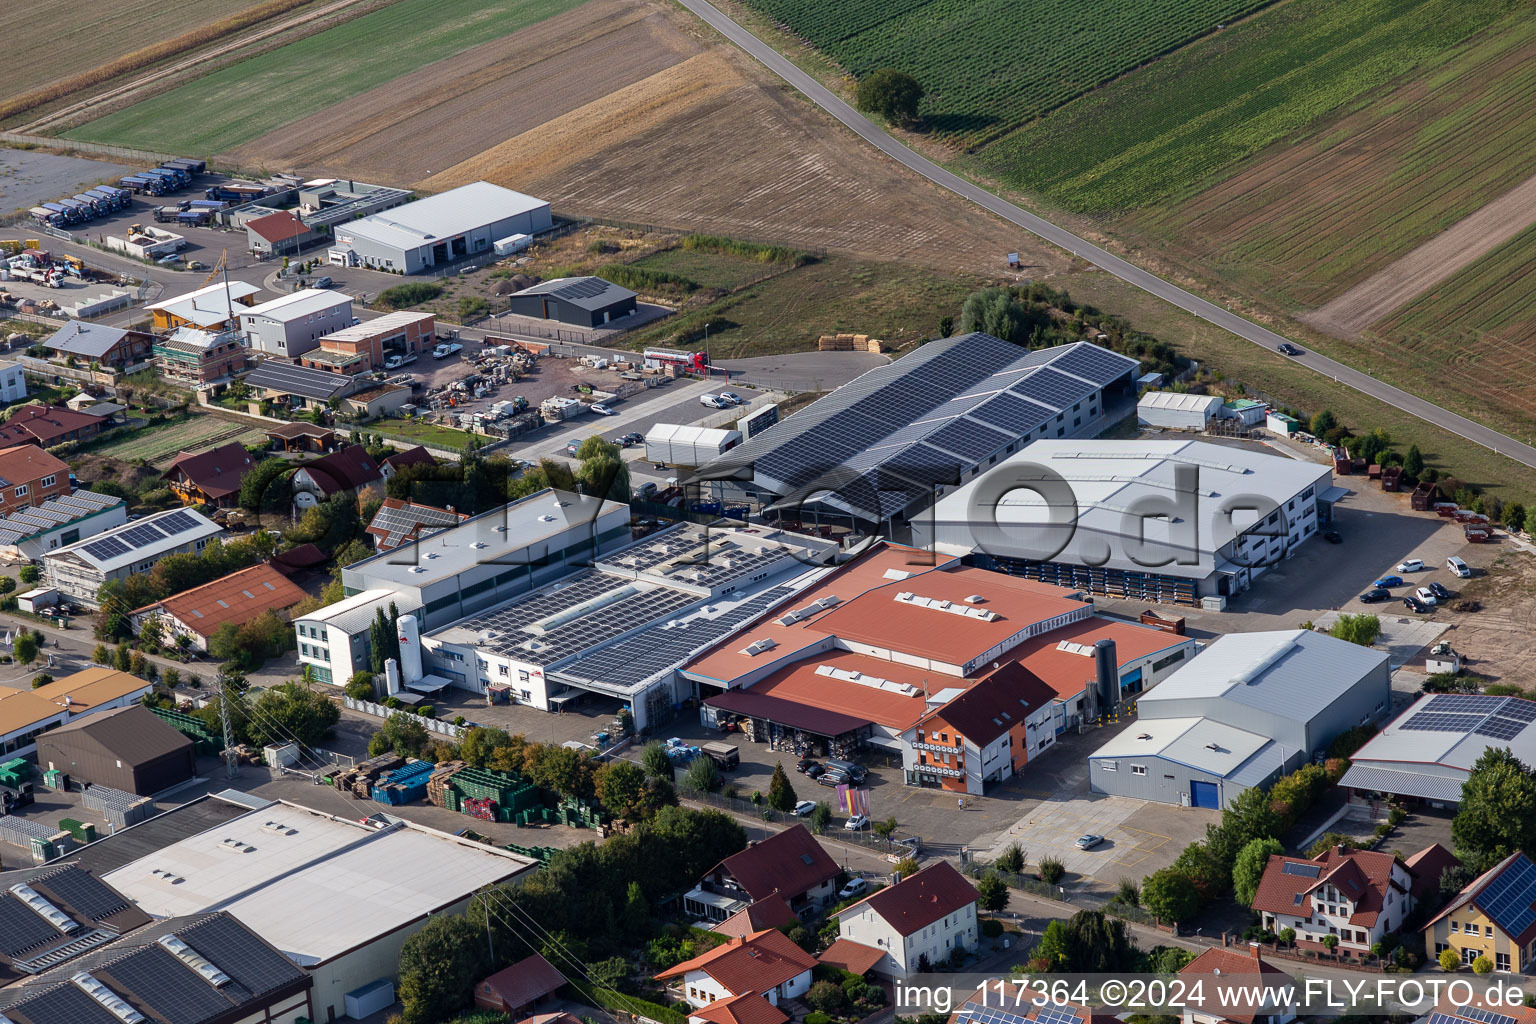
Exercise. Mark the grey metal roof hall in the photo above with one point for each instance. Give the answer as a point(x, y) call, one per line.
point(590, 293)
point(292, 379)
point(884, 439)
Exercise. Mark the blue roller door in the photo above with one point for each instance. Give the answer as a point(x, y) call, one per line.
point(1203, 794)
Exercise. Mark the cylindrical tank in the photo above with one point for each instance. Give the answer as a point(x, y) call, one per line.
point(391, 677)
point(1107, 675)
point(410, 648)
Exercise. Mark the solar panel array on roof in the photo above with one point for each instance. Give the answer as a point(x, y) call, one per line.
point(107, 547)
point(1048, 1014)
point(1510, 899)
point(177, 522)
point(85, 893)
point(1477, 1013)
point(290, 378)
point(21, 927)
point(881, 419)
point(1429, 721)
point(1303, 870)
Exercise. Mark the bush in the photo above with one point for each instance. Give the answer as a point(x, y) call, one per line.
point(991, 927)
point(817, 1017)
point(402, 296)
point(1482, 965)
point(1011, 860)
point(1450, 960)
point(1128, 892)
point(7, 584)
point(826, 996)
point(1051, 870)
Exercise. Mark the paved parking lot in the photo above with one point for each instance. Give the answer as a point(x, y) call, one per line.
point(1402, 637)
point(28, 178)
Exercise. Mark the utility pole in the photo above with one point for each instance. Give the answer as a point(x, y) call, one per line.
point(231, 764)
point(489, 943)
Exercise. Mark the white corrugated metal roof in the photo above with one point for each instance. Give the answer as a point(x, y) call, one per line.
point(208, 306)
point(297, 304)
point(1403, 783)
point(430, 220)
point(355, 612)
point(687, 433)
point(1179, 401)
point(378, 325)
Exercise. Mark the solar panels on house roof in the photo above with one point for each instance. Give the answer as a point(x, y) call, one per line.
point(1510, 898)
point(1303, 870)
point(292, 379)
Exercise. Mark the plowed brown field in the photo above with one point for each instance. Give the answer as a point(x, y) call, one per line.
point(630, 110)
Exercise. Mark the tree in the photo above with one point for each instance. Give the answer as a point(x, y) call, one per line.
point(1357, 629)
point(886, 829)
point(654, 759)
point(892, 94)
point(1098, 944)
point(29, 574)
point(439, 967)
point(1323, 422)
point(122, 658)
point(478, 745)
point(996, 311)
point(355, 551)
point(1514, 517)
point(620, 787)
point(7, 584)
point(1453, 879)
point(1051, 951)
point(821, 817)
point(25, 648)
point(1413, 462)
point(1450, 961)
point(704, 775)
point(993, 892)
point(781, 795)
point(1498, 810)
point(102, 655)
point(265, 487)
point(402, 734)
point(1249, 868)
point(946, 326)
point(1170, 895)
point(827, 996)
point(636, 916)
point(1330, 942)
point(1011, 859)
point(290, 711)
point(907, 867)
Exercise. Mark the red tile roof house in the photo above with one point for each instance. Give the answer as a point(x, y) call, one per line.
point(346, 469)
point(764, 965)
point(211, 477)
point(918, 923)
point(790, 865)
point(1242, 971)
point(48, 425)
point(514, 989)
point(1358, 896)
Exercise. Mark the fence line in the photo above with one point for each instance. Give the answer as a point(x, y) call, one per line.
point(100, 149)
point(368, 707)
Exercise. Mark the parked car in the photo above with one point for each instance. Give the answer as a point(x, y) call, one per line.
point(1438, 589)
point(1458, 567)
point(1426, 596)
point(1333, 537)
point(600, 409)
point(572, 448)
point(1373, 596)
point(1411, 565)
point(1389, 581)
point(1089, 841)
point(1285, 348)
point(714, 402)
point(732, 397)
point(634, 437)
point(804, 807)
point(852, 889)
point(803, 764)
point(857, 822)
point(322, 282)
point(815, 771)
point(830, 778)
point(446, 349)
point(1413, 604)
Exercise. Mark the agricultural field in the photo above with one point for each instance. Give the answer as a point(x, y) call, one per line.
point(42, 48)
point(241, 102)
point(158, 442)
point(1185, 122)
point(988, 66)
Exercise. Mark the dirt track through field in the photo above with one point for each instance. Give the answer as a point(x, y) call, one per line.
point(1434, 261)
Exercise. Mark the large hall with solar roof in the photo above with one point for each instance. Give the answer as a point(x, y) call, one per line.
point(80, 569)
point(872, 453)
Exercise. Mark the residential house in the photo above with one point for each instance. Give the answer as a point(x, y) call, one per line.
point(198, 613)
point(13, 382)
point(195, 357)
point(213, 308)
point(211, 477)
point(30, 476)
point(1356, 896)
point(515, 989)
point(279, 234)
point(764, 965)
point(747, 1008)
point(292, 324)
point(772, 912)
point(918, 923)
point(790, 864)
point(417, 456)
point(398, 522)
point(1022, 1003)
point(1494, 916)
point(301, 437)
point(99, 343)
point(48, 425)
point(1244, 975)
point(346, 469)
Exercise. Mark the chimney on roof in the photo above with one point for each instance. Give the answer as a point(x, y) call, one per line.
point(1253, 950)
point(1341, 849)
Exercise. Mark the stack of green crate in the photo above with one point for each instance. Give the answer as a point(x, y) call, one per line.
point(14, 773)
point(204, 742)
point(83, 832)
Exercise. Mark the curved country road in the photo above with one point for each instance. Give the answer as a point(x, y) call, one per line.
point(1129, 272)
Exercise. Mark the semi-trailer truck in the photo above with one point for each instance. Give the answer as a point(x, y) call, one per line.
point(43, 216)
point(122, 197)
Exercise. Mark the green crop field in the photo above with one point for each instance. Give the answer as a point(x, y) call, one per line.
point(246, 100)
point(1174, 127)
point(989, 65)
point(159, 441)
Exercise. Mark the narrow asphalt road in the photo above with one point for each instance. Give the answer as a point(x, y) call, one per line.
point(1128, 272)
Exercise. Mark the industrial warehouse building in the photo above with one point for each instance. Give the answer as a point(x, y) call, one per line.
point(1168, 521)
point(1428, 751)
point(874, 450)
point(1251, 708)
point(359, 884)
point(129, 749)
point(965, 674)
point(583, 301)
point(292, 324)
point(80, 569)
point(440, 229)
point(27, 714)
point(1173, 410)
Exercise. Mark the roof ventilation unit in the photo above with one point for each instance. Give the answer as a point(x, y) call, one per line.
point(759, 646)
point(189, 956)
point(42, 908)
point(546, 519)
point(975, 599)
point(236, 846)
point(277, 826)
point(114, 1003)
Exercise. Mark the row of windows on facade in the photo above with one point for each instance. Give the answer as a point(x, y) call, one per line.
point(319, 653)
point(1471, 953)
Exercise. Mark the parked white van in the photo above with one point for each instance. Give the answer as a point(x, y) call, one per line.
point(1458, 567)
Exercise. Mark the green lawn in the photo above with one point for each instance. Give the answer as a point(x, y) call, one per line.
point(709, 269)
point(788, 312)
point(423, 433)
point(246, 100)
point(1174, 127)
point(989, 65)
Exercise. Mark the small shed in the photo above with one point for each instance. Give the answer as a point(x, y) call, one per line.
point(1173, 410)
point(1246, 411)
point(515, 989)
point(34, 601)
point(129, 749)
point(681, 444)
point(1280, 423)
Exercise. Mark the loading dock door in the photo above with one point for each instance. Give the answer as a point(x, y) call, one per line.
point(1203, 794)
